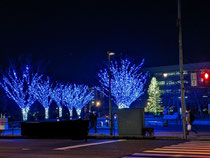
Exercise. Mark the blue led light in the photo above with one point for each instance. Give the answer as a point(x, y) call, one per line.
point(44, 94)
point(57, 96)
point(76, 96)
point(21, 89)
point(127, 82)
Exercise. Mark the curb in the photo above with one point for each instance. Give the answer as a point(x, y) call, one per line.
point(134, 137)
point(105, 137)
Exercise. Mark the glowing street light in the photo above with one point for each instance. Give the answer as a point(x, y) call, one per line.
point(98, 103)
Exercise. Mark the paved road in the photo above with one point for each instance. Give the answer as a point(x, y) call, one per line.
point(193, 149)
point(54, 148)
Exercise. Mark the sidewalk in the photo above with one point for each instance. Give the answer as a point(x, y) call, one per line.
point(170, 132)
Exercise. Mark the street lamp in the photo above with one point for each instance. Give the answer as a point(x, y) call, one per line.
point(165, 75)
point(110, 104)
point(98, 103)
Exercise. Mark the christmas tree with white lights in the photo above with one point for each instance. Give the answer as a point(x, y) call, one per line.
point(154, 100)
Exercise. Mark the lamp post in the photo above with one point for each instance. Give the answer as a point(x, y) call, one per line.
point(110, 104)
point(165, 75)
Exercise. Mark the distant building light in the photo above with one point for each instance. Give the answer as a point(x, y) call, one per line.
point(184, 97)
point(165, 75)
point(205, 96)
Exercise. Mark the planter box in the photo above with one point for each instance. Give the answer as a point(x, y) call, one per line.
point(74, 129)
point(130, 122)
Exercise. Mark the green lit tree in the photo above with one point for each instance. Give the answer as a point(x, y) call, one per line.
point(154, 100)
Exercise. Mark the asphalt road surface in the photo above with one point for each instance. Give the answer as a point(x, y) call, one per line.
point(62, 148)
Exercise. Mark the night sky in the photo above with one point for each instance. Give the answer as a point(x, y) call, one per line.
point(72, 37)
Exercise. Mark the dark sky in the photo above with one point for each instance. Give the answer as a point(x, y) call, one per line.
point(74, 36)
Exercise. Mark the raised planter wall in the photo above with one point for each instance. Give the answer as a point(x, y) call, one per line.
point(74, 129)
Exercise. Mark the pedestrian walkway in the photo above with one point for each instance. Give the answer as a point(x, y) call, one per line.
point(170, 131)
point(199, 149)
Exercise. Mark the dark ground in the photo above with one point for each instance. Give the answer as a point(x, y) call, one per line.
point(44, 148)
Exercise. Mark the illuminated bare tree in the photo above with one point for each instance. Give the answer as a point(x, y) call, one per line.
point(57, 96)
point(84, 96)
point(44, 94)
point(76, 96)
point(127, 82)
point(21, 89)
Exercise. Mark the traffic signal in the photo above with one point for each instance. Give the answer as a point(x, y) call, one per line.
point(206, 78)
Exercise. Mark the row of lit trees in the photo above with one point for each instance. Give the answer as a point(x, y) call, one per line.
point(25, 89)
point(127, 85)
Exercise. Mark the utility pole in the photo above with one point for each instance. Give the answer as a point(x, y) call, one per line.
point(181, 69)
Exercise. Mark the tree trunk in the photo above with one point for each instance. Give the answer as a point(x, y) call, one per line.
point(25, 113)
point(79, 113)
point(70, 113)
point(60, 112)
point(46, 113)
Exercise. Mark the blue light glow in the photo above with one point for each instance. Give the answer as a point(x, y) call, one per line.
point(127, 82)
point(76, 96)
point(57, 96)
point(44, 95)
point(21, 89)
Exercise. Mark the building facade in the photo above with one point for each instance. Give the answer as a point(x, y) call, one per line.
point(196, 92)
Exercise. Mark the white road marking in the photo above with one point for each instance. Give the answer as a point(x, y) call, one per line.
point(25, 149)
point(194, 149)
point(136, 157)
point(89, 144)
point(168, 155)
point(177, 152)
point(187, 150)
point(185, 147)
